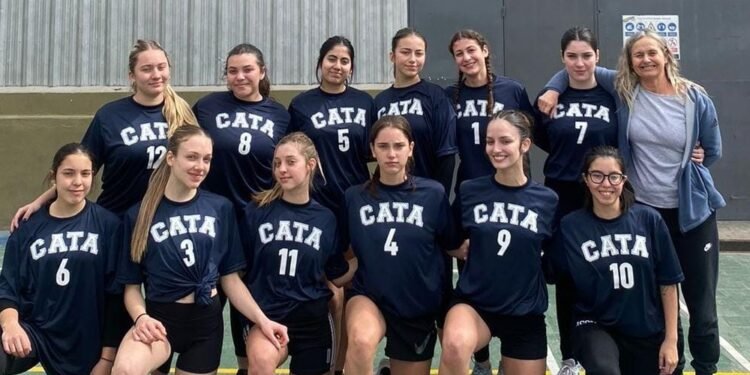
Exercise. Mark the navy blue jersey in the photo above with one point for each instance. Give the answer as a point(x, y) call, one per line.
point(291, 249)
point(55, 271)
point(190, 244)
point(617, 267)
point(585, 119)
point(245, 135)
point(398, 236)
point(432, 120)
point(473, 116)
point(129, 140)
point(339, 125)
point(507, 228)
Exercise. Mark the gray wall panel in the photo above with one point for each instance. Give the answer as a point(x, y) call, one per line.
point(86, 42)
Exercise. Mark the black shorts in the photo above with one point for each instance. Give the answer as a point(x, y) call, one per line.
point(195, 331)
point(117, 321)
point(410, 339)
point(521, 337)
point(310, 330)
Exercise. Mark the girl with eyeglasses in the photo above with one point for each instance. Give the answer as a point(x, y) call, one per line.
point(625, 272)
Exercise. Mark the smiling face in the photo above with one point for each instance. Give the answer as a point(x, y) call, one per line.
point(470, 57)
point(580, 61)
point(72, 179)
point(504, 146)
point(648, 59)
point(291, 170)
point(150, 74)
point(408, 58)
point(336, 67)
point(191, 163)
point(598, 178)
point(244, 75)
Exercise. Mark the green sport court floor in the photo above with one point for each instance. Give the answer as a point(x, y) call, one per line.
point(734, 323)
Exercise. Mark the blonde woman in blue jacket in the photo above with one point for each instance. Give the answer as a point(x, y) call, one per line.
point(668, 137)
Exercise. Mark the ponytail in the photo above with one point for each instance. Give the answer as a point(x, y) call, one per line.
point(177, 111)
point(154, 193)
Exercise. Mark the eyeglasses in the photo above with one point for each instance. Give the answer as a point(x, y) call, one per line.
point(598, 177)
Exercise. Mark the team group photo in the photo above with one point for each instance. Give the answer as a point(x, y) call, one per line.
point(385, 218)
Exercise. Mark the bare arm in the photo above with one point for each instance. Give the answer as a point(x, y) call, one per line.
point(25, 212)
point(244, 302)
point(145, 328)
point(15, 339)
point(668, 350)
point(345, 278)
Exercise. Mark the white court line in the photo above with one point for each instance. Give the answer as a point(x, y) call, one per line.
point(739, 358)
point(551, 362)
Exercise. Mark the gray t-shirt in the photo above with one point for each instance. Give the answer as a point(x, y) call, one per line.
point(657, 135)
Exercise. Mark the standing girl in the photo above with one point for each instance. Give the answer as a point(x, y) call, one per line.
point(625, 273)
point(183, 241)
point(425, 107)
point(584, 118)
point(245, 124)
point(398, 225)
point(478, 94)
point(294, 246)
point(57, 269)
point(501, 291)
point(337, 117)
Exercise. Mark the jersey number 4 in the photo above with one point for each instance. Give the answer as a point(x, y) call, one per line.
point(391, 246)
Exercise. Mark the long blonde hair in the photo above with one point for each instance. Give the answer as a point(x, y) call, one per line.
point(176, 110)
point(155, 191)
point(627, 80)
point(306, 147)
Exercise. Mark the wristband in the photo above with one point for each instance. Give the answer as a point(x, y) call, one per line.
point(138, 317)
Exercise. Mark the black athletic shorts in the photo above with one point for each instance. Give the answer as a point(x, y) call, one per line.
point(311, 335)
point(521, 337)
point(194, 331)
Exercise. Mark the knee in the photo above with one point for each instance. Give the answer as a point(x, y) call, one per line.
point(361, 345)
point(260, 363)
point(457, 347)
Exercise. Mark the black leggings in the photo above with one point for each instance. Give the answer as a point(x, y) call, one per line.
point(604, 352)
point(698, 253)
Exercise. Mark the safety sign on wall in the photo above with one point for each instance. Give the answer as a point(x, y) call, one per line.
point(668, 28)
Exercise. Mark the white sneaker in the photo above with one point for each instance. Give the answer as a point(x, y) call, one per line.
point(481, 370)
point(569, 367)
point(384, 367)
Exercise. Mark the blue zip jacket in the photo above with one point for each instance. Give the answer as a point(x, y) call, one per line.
point(698, 197)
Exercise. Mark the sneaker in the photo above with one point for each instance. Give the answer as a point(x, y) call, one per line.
point(569, 367)
point(480, 369)
point(384, 367)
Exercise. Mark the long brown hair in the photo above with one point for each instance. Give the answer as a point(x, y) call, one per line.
point(176, 110)
point(155, 191)
point(482, 42)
